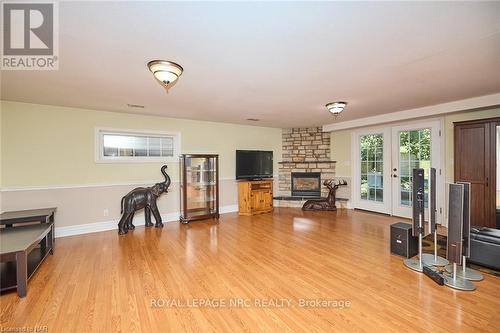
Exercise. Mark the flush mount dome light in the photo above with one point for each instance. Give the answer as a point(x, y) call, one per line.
point(166, 72)
point(336, 107)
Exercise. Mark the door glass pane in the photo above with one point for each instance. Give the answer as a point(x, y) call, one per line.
point(372, 165)
point(364, 187)
point(414, 152)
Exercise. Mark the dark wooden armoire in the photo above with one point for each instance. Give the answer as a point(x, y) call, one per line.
point(476, 162)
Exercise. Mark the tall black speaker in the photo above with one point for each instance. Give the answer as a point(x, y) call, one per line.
point(455, 223)
point(459, 196)
point(417, 218)
point(466, 220)
point(432, 199)
point(418, 202)
point(433, 259)
point(465, 272)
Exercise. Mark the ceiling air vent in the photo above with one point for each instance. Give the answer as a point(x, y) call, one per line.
point(136, 106)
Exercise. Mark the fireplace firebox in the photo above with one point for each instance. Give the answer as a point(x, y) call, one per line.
point(306, 184)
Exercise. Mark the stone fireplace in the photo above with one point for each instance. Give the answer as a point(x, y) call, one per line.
point(305, 153)
point(306, 184)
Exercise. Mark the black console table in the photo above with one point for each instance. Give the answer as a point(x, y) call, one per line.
point(43, 215)
point(24, 244)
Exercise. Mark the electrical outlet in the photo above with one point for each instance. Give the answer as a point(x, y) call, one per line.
point(106, 212)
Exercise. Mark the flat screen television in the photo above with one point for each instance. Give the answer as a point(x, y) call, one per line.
point(254, 164)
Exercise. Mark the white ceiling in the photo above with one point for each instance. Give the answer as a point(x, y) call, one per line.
point(279, 62)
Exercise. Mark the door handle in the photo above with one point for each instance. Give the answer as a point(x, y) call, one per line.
point(395, 176)
point(394, 169)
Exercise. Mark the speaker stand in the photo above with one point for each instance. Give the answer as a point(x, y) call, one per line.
point(455, 282)
point(433, 259)
point(465, 272)
point(416, 264)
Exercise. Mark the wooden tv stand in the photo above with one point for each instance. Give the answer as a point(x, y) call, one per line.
point(255, 196)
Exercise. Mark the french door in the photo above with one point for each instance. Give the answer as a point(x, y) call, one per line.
point(414, 146)
point(384, 160)
point(372, 170)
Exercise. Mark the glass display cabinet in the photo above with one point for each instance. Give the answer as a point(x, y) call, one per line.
point(199, 187)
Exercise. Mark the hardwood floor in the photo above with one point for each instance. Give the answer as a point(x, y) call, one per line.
point(105, 283)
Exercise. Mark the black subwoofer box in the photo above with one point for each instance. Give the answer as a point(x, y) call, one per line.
point(402, 241)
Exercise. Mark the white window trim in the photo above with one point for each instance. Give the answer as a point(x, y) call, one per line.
point(99, 153)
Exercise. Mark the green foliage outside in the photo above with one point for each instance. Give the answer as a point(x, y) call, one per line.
point(415, 152)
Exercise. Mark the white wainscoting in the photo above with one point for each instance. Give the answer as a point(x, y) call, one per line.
point(113, 224)
point(86, 208)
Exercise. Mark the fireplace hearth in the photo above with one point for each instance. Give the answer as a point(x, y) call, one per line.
point(306, 184)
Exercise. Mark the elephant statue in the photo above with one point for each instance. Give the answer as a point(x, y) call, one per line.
point(139, 198)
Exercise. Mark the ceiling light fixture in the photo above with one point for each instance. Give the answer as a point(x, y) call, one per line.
point(166, 72)
point(336, 107)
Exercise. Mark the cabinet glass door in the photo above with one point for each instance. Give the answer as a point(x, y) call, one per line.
point(200, 182)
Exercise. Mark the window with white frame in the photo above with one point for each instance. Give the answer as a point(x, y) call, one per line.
point(127, 145)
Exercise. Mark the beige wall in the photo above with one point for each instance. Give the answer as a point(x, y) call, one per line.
point(340, 146)
point(49, 145)
point(341, 142)
point(48, 159)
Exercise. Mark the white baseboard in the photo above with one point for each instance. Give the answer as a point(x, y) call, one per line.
point(113, 224)
point(228, 209)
